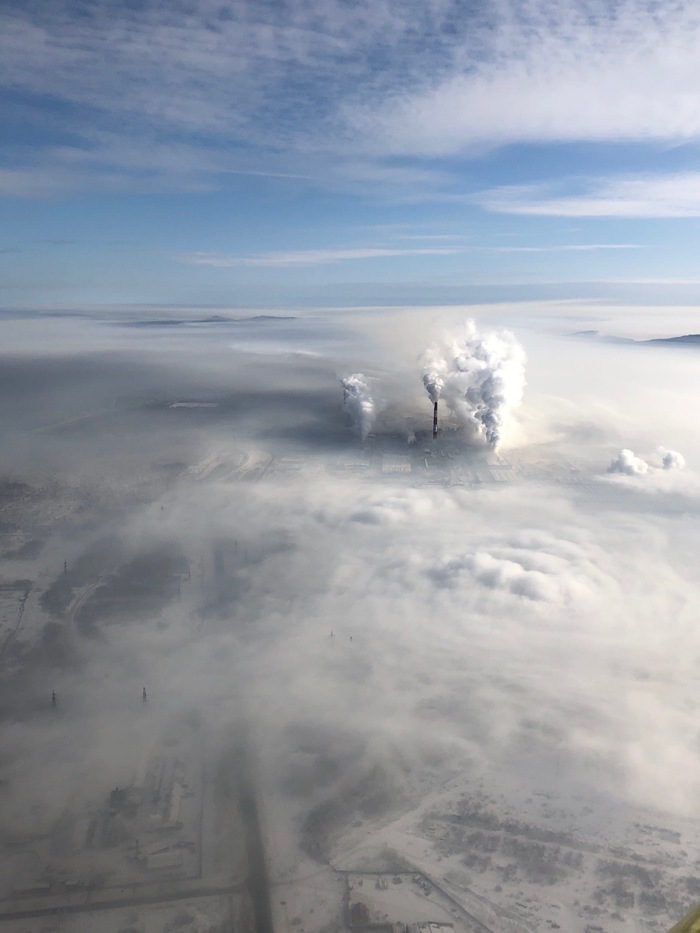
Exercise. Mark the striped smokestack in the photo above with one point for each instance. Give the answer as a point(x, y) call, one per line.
point(435, 419)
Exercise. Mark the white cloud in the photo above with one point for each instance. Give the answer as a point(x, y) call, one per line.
point(539, 72)
point(662, 461)
point(564, 248)
point(344, 86)
point(517, 572)
point(676, 195)
point(32, 182)
point(628, 464)
point(310, 257)
point(671, 459)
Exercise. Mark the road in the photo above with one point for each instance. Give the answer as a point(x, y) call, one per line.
point(11, 635)
point(258, 882)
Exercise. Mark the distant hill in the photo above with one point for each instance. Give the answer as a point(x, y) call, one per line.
point(218, 319)
point(596, 335)
point(682, 340)
point(214, 319)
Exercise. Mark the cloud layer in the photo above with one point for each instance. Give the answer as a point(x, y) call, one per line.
point(528, 623)
point(580, 72)
point(662, 195)
point(338, 90)
point(630, 465)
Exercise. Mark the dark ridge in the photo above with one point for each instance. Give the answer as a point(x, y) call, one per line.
point(683, 339)
point(214, 319)
point(596, 335)
point(267, 317)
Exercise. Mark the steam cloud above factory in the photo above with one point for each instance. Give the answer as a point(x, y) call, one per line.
point(479, 375)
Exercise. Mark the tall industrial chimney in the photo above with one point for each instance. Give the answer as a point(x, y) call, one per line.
point(435, 420)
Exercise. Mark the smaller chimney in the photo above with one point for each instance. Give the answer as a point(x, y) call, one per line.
point(435, 420)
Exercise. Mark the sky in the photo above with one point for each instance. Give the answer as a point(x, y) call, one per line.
point(373, 172)
point(331, 153)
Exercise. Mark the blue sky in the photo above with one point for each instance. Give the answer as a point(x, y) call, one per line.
point(335, 152)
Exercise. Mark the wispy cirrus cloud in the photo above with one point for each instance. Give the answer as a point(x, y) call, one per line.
point(267, 76)
point(562, 248)
point(317, 257)
point(217, 87)
point(311, 257)
point(673, 195)
point(542, 72)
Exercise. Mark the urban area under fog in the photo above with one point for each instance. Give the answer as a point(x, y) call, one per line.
point(321, 621)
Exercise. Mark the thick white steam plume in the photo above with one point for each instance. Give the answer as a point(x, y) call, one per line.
point(627, 463)
point(671, 459)
point(433, 383)
point(480, 377)
point(359, 402)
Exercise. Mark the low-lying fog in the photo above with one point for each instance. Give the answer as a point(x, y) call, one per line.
point(383, 636)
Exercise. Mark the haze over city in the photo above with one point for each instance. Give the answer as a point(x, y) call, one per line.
point(349, 478)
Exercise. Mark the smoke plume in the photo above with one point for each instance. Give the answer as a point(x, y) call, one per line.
point(671, 459)
point(433, 383)
point(480, 376)
point(359, 403)
point(627, 463)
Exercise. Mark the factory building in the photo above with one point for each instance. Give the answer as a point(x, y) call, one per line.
point(396, 463)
